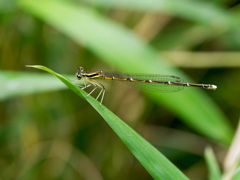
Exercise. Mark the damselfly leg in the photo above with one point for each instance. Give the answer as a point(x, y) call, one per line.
point(97, 84)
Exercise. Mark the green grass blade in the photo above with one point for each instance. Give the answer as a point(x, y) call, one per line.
point(203, 12)
point(153, 161)
point(213, 168)
point(15, 84)
point(118, 47)
point(237, 173)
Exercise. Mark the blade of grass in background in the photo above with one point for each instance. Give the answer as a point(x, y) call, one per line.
point(232, 160)
point(213, 168)
point(14, 84)
point(203, 12)
point(153, 161)
point(119, 47)
point(237, 174)
point(204, 59)
point(213, 19)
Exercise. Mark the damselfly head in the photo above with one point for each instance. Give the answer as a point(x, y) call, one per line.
point(79, 73)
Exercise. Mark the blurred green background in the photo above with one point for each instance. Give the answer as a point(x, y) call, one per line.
point(47, 132)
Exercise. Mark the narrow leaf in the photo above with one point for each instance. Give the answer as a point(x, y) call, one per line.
point(213, 168)
point(153, 161)
point(15, 84)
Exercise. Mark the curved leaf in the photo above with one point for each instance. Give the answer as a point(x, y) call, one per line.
point(153, 161)
point(14, 84)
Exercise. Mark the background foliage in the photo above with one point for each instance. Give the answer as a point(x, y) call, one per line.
point(50, 133)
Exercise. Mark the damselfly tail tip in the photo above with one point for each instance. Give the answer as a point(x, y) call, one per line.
point(212, 87)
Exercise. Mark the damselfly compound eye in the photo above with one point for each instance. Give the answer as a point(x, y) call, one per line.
point(79, 73)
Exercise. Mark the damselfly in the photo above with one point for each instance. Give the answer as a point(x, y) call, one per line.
point(160, 83)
